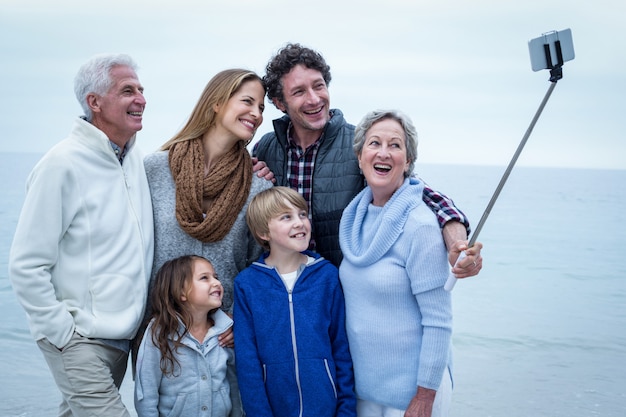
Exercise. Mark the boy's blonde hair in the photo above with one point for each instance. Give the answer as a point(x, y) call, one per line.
point(268, 204)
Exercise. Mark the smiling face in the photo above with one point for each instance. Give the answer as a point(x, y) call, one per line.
point(242, 114)
point(306, 99)
point(119, 112)
point(205, 291)
point(289, 231)
point(383, 159)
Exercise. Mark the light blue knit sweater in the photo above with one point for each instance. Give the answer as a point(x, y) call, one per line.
point(398, 316)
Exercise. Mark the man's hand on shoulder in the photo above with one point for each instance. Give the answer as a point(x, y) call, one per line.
point(262, 170)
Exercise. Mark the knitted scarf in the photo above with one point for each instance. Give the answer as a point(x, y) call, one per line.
point(227, 186)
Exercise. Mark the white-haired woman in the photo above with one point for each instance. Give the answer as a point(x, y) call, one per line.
point(398, 315)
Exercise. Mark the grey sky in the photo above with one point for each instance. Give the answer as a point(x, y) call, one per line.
point(460, 69)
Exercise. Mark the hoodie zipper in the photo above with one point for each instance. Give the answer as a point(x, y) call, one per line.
point(295, 350)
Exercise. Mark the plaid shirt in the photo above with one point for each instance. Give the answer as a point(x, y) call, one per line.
point(447, 211)
point(301, 163)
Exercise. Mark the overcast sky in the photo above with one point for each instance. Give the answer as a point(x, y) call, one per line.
point(460, 69)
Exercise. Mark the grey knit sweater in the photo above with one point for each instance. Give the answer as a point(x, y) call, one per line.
point(228, 256)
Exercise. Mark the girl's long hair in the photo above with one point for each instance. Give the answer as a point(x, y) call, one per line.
point(172, 282)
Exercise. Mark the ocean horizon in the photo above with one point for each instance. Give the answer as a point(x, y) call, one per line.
point(541, 331)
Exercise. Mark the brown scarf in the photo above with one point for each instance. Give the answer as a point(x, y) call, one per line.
point(227, 186)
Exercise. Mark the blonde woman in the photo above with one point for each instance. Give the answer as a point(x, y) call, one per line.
point(202, 180)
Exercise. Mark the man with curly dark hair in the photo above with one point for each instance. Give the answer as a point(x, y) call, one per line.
point(311, 151)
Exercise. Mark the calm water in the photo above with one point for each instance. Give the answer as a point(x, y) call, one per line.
point(540, 332)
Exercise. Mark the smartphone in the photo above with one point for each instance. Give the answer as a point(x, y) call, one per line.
point(545, 50)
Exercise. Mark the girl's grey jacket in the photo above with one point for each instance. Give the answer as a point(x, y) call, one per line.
point(205, 383)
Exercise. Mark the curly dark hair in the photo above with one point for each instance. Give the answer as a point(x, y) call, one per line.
point(285, 59)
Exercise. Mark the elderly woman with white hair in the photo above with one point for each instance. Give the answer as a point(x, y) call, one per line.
point(399, 317)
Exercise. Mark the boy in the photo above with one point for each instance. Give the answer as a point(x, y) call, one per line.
point(290, 339)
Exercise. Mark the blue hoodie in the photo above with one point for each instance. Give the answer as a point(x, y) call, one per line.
point(292, 350)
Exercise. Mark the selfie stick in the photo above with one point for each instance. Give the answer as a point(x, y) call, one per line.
point(556, 73)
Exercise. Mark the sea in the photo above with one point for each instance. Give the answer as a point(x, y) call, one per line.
point(541, 331)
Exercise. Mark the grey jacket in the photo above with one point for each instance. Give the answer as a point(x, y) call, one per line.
point(337, 178)
point(205, 384)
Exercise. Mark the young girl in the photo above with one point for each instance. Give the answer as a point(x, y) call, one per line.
point(181, 368)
